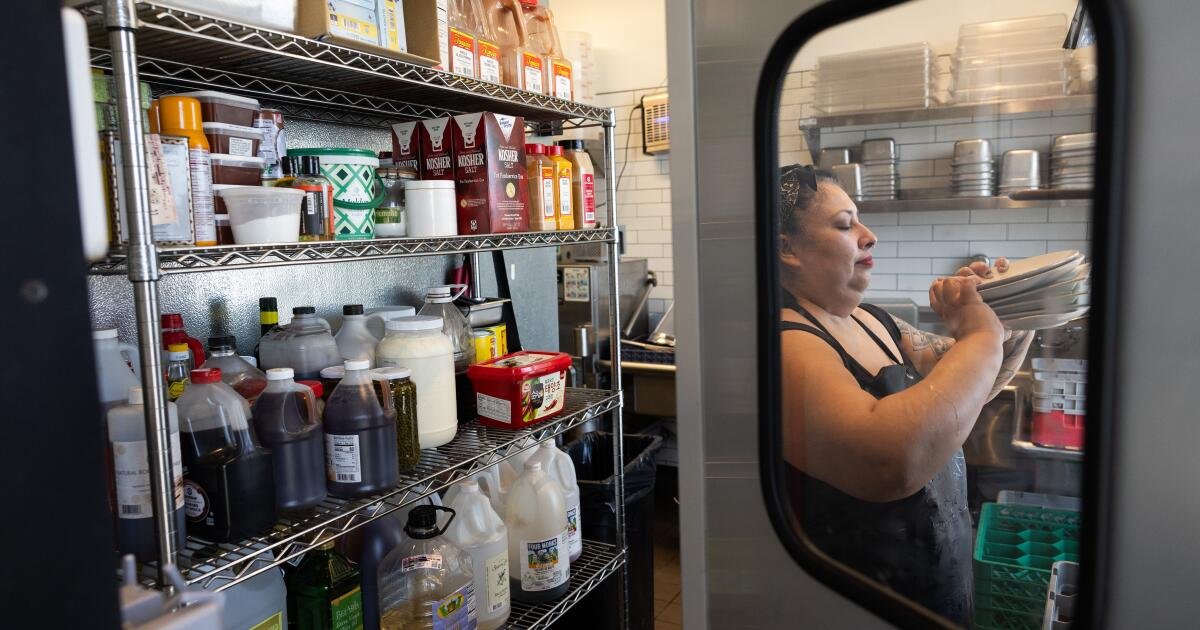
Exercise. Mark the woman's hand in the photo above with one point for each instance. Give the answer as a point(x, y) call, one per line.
point(981, 270)
point(956, 300)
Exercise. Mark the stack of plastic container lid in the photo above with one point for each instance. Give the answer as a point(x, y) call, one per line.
point(896, 77)
point(1011, 59)
point(1072, 161)
point(1059, 402)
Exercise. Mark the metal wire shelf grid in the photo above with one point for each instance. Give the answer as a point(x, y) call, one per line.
point(166, 33)
point(599, 560)
point(221, 565)
point(226, 257)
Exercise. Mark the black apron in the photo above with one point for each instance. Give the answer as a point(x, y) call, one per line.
point(919, 546)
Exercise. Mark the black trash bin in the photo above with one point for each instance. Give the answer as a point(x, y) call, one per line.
point(593, 457)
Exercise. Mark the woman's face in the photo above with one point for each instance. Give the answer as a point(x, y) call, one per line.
point(830, 253)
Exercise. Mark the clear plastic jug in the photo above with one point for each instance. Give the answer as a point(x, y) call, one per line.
point(236, 372)
point(559, 467)
point(539, 565)
point(135, 515)
point(542, 36)
point(360, 437)
point(229, 481)
point(286, 421)
point(439, 302)
point(480, 532)
point(493, 481)
point(354, 340)
point(304, 345)
point(426, 578)
point(259, 602)
point(118, 367)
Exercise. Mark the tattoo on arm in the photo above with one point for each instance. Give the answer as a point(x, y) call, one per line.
point(919, 341)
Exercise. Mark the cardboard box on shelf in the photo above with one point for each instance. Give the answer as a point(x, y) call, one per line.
point(436, 142)
point(489, 158)
point(406, 30)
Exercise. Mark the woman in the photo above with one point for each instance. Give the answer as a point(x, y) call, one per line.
point(876, 411)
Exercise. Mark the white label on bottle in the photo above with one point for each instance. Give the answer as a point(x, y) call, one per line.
point(493, 408)
point(533, 79)
point(132, 476)
point(574, 535)
point(564, 196)
point(548, 197)
point(462, 53)
point(489, 69)
point(427, 561)
point(546, 563)
point(203, 213)
point(496, 571)
point(343, 459)
point(177, 470)
point(562, 87)
point(242, 147)
point(588, 192)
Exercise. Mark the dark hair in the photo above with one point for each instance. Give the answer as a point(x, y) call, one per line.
point(798, 187)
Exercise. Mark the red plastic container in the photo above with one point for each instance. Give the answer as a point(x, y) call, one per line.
point(520, 389)
point(1057, 429)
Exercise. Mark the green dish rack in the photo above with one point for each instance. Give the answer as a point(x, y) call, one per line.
point(1014, 550)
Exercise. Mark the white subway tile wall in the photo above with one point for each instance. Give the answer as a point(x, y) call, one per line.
point(916, 247)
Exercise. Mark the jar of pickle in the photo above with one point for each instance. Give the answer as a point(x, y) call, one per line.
point(396, 383)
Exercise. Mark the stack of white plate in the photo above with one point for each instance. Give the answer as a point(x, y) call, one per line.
point(972, 172)
point(1011, 59)
point(1041, 292)
point(1073, 162)
point(896, 77)
point(880, 181)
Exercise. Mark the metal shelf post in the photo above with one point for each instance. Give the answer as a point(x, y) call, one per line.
point(614, 327)
point(121, 22)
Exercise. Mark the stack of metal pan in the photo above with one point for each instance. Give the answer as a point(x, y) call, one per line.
point(1073, 162)
point(973, 174)
point(1020, 169)
point(879, 180)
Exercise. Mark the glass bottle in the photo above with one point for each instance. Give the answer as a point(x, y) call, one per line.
point(268, 319)
point(316, 211)
point(324, 592)
point(179, 365)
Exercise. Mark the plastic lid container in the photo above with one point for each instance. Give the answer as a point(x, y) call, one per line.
point(225, 108)
point(280, 374)
point(233, 140)
point(414, 323)
point(502, 388)
point(334, 372)
point(237, 169)
point(357, 365)
point(429, 184)
point(263, 215)
point(238, 161)
point(391, 373)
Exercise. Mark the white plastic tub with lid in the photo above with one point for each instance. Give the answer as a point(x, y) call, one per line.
point(419, 344)
point(263, 215)
point(430, 204)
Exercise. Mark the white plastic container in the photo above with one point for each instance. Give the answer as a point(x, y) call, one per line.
point(539, 565)
point(478, 530)
point(559, 466)
point(379, 315)
point(113, 374)
point(263, 215)
point(419, 344)
point(354, 340)
point(431, 208)
point(493, 482)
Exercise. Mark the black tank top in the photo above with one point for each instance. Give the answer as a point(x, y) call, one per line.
point(919, 546)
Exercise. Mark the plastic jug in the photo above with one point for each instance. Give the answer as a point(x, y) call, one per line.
point(118, 367)
point(304, 345)
point(539, 566)
point(259, 602)
point(360, 437)
point(439, 302)
point(236, 372)
point(131, 477)
point(173, 323)
point(354, 340)
point(480, 532)
point(286, 421)
point(369, 545)
point(520, 67)
point(379, 315)
point(559, 467)
point(229, 483)
point(542, 36)
point(426, 578)
point(419, 344)
point(491, 483)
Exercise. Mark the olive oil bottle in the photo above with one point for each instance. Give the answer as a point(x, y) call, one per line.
point(324, 592)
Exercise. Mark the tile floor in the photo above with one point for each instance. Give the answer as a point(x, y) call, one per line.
point(668, 598)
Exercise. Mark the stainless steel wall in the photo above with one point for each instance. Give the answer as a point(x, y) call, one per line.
point(226, 302)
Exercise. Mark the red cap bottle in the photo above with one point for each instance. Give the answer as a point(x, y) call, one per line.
point(206, 375)
point(535, 148)
point(173, 323)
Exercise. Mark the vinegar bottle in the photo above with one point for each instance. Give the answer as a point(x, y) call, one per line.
point(559, 467)
point(539, 565)
point(426, 578)
point(478, 531)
